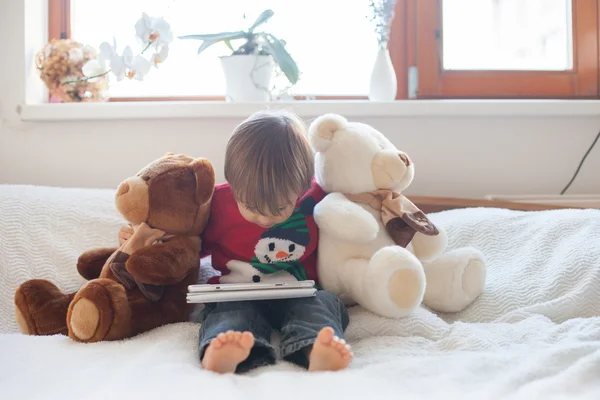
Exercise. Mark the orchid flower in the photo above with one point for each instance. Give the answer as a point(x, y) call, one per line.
point(153, 30)
point(129, 66)
point(94, 69)
point(107, 51)
point(160, 56)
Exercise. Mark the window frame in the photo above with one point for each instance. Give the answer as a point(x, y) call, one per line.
point(59, 19)
point(416, 41)
point(436, 83)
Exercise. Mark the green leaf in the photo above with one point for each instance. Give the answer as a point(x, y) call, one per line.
point(217, 36)
point(228, 44)
point(205, 45)
point(281, 56)
point(210, 39)
point(262, 18)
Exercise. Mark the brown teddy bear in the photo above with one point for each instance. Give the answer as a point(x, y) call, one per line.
point(142, 284)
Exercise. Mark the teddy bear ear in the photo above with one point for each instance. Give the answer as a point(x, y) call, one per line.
point(323, 128)
point(205, 179)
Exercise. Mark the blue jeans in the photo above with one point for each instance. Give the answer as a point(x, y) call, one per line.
point(299, 321)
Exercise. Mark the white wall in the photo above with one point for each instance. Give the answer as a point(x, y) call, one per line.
point(455, 156)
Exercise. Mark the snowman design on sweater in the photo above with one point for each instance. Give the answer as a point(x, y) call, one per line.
point(284, 252)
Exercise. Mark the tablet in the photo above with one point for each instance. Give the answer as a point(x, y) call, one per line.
point(224, 287)
point(248, 295)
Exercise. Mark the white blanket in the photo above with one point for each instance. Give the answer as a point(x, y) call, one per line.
point(533, 334)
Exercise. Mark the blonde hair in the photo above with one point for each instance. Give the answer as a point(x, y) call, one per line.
point(268, 160)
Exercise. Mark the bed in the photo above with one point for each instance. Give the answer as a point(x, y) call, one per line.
point(533, 334)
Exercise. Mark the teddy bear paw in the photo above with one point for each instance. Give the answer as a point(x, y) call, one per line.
point(41, 308)
point(455, 280)
point(100, 311)
point(473, 278)
point(84, 319)
point(396, 281)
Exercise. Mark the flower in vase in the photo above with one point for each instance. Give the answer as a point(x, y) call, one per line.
point(153, 30)
point(60, 63)
point(382, 14)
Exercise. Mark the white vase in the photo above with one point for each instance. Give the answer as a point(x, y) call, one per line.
point(247, 77)
point(383, 85)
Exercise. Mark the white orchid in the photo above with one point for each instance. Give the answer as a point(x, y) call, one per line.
point(107, 51)
point(94, 69)
point(99, 67)
point(129, 66)
point(160, 56)
point(153, 30)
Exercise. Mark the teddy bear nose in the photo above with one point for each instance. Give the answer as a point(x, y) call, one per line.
point(123, 188)
point(404, 158)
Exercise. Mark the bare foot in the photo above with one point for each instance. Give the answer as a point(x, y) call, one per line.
point(226, 351)
point(329, 353)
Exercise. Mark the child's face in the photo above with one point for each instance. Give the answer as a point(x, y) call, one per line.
point(267, 221)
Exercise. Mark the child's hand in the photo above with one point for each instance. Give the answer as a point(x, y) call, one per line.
point(143, 236)
point(146, 234)
point(125, 234)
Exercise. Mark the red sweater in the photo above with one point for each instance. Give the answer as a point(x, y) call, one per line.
point(244, 252)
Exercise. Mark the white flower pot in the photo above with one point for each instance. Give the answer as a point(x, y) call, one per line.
point(247, 77)
point(383, 85)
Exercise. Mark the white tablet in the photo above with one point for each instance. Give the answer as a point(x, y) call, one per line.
point(247, 295)
point(224, 287)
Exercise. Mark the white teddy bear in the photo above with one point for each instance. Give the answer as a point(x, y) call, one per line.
point(376, 248)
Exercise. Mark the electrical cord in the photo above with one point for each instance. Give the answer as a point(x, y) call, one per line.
point(580, 164)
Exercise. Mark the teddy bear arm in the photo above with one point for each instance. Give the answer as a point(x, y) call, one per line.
point(90, 263)
point(346, 220)
point(166, 263)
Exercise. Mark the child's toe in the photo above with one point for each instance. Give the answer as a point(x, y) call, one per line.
point(325, 336)
point(338, 345)
point(230, 335)
point(247, 340)
point(217, 342)
point(222, 337)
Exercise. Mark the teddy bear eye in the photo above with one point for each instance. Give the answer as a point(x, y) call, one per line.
point(146, 178)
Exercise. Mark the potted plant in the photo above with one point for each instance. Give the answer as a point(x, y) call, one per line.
point(249, 69)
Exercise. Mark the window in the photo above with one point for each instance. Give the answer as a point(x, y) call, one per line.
point(511, 35)
point(507, 48)
point(439, 48)
point(334, 59)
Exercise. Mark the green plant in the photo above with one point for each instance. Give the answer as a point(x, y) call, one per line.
point(259, 43)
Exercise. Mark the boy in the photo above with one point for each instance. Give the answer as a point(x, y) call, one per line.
point(262, 229)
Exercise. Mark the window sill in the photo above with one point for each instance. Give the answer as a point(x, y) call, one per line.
point(348, 108)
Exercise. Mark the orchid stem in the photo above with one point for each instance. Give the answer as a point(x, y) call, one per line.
point(147, 47)
point(87, 78)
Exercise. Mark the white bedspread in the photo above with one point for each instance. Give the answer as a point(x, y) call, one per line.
point(533, 334)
